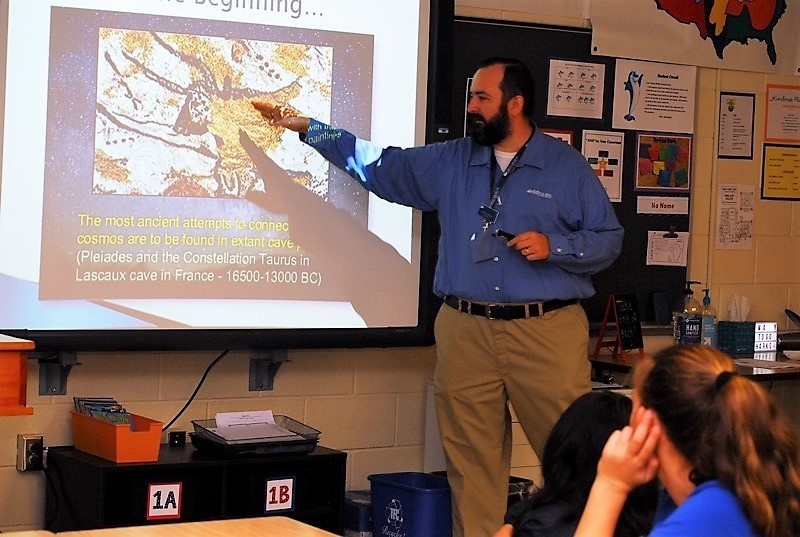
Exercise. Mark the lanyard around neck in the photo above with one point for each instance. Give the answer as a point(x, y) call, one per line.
point(496, 184)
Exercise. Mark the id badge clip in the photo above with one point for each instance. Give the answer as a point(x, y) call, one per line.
point(489, 214)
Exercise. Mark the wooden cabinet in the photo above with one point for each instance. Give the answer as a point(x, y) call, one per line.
point(185, 485)
point(14, 375)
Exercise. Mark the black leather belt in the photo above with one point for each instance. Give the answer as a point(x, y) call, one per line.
point(506, 312)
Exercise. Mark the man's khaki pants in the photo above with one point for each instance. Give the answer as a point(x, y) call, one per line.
point(539, 365)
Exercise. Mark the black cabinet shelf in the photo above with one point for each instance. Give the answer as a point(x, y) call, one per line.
point(87, 492)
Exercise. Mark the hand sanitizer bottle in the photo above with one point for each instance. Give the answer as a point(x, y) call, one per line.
point(709, 323)
point(687, 318)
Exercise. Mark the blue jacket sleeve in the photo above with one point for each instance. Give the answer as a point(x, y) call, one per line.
point(399, 175)
point(598, 241)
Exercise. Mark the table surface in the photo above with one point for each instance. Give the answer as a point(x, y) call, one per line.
point(269, 526)
point(781, 368)
point(11, 343)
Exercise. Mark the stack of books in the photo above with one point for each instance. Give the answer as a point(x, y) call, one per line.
point(102, 408)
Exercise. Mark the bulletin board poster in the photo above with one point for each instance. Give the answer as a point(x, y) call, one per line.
point(652, 96)
point(559, 134)
point(664, 162)
point(783, 114)
point(736, 120)
point(735, 210)
point(780, 173)
point(603, 152)
point(576, 89)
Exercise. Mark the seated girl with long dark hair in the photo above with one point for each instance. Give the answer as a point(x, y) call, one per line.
point(569, 464)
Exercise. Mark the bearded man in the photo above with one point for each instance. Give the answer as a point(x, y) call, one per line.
point(524, 222)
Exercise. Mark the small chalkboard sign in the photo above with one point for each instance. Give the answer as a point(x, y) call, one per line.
point(628, 325)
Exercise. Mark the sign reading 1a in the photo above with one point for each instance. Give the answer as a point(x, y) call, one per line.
point(164, 501)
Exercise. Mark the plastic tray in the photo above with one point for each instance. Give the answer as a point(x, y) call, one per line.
point(304, 440)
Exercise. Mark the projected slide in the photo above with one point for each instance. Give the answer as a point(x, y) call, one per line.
point(140, 189)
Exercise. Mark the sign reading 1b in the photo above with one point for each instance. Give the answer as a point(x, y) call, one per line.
point(280, 495)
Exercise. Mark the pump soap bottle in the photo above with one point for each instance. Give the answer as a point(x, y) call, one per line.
point(709, 323)
point(687, 317)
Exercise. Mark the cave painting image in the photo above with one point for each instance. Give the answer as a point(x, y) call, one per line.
point(728, 21)
point(170, 107)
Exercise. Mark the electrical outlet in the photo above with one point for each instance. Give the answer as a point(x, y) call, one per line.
point(30, 452)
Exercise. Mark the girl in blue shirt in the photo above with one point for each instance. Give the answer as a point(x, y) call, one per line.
point(727, 458)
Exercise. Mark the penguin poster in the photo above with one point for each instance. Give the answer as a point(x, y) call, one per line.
point(650, 96)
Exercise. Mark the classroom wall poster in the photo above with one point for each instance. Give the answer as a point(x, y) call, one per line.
point(654, 96)
point(664, 162)
point(758, 36)
point(603, 151)
point(575, 89)
point(780, 172)
point(559, 134)
point(735, 217)
point(667, 248)
point(736, 120)
point(783, 114)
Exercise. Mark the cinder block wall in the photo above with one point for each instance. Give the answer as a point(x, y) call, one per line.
point(371, 402)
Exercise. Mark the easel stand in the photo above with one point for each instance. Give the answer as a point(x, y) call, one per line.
point(629, 330)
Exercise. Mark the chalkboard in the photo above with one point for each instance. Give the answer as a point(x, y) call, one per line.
point(629, 326)
point(655, 288)
point(623, 313)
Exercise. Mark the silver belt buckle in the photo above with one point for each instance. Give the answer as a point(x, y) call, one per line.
point(489, 308)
